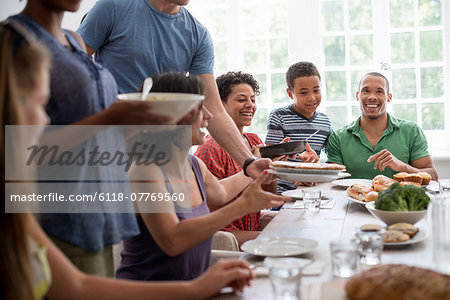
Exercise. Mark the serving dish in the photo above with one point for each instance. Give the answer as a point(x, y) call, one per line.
point(392, 217)
point(308, 177)
point(175, 105)
point(279, 246)
point(287, 148)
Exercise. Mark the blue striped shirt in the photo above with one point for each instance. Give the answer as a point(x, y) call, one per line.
point(286, 122)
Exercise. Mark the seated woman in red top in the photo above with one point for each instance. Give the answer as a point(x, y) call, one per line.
point(238, 93)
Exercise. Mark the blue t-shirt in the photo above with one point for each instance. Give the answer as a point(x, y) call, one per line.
point(134, 41)
point(79, 88)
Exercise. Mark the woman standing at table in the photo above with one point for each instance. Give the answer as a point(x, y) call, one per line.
point(84, 93)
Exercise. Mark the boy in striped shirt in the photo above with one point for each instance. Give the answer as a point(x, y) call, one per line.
point(300, 119)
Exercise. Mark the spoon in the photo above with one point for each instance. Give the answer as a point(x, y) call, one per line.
point(148, 83)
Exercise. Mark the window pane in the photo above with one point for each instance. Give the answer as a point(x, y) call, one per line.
point(361, 50)
point(217, 18)
point(356, 77)
point(432, 82)
point(404, 83)
point(334, 50)
point(338, 116)
point(251, 20)
point(360, 14)
point(356, 112)
point(333, 15)
point(220, 55)
point(279, 53)
point(336, 86)
point(433, 116)
point(278, 20)
point(254, 57)
point(431, 45)
point(430, 12)
point(401, 13)
point(405, 111)
point(279, 89)
point(259, 121)
point(262, 81)
point(402, 47)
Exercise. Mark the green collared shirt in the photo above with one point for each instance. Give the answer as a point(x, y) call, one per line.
point(349, 146)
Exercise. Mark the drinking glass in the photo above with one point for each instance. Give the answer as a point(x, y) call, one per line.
point(285, 274)
point(311, 200)
point(370, 246)
point(344, 257)
point(440, 218)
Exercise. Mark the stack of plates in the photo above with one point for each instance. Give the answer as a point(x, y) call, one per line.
point(308, 175)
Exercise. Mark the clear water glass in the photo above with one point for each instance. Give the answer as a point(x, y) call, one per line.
point(285, 275)
point(440, 218)
point(344, 257)
point(311, 200)
point(370, 246)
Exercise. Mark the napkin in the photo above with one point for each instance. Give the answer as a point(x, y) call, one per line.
point(315, 268)
point(323, 204)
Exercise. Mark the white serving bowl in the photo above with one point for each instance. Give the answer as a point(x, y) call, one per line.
point(176, 105)
point(392, 217)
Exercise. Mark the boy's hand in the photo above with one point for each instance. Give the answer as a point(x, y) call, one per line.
point(309, 155)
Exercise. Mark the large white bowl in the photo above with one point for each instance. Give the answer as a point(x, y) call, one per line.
point(176, 105)
point(392, 217)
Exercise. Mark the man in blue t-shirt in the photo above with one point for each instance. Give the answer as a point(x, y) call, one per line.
point(138, 38)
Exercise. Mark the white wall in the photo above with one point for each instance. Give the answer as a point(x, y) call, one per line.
point(70, 21)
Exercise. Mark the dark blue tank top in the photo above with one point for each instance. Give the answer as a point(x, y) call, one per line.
point(142, 259)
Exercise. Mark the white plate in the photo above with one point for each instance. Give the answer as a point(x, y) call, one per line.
point(282, 246)
point(355, 200)
point(433, 186)
point(349, 182)
point(294, 194)
point(309, 177)
point(419, 237)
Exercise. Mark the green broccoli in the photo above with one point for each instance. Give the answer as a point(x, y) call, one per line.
point(406, 198)
point(392, 199)
point(416, 197)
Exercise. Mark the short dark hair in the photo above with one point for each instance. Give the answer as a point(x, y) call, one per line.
point(374, 74)
point(177, 82)
point(300, 69)
point(226, 82)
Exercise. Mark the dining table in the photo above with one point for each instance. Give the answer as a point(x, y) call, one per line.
point(328, 224)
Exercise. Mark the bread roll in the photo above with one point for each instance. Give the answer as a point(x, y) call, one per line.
point(398, 282)
point(406, 228)
point(381, 182)
point(403, 183)
point(414, 178)
point(371, 196)
point(394, 236)
point(400, 176)
point(426, 178)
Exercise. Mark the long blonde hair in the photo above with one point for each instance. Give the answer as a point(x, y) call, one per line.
point(21, 62)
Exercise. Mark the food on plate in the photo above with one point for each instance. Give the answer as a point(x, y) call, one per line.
point(312, 166)
point(395, 236)
point(405, 228)
point(400, 176)
point(358, 191)
point(398, 282)
point(381, 182)
point(426, 178)
point(371, 227)
point(421, 178)
point(403, 183)
point(402, 198)
point(371, 196)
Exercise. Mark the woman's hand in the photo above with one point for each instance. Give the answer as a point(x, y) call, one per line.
point(232, 273)
point(254, 198)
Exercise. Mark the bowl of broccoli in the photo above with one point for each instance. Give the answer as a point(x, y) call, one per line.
point(397, 204)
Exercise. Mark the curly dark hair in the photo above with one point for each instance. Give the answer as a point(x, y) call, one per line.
point(300, 69)
point(226, 82)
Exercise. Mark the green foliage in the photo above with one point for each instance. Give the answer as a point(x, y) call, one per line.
point(406, 198)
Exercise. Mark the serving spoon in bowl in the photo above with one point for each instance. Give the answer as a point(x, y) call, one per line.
point(148, 83)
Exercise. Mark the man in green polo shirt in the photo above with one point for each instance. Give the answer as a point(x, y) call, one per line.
point(378, 143)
